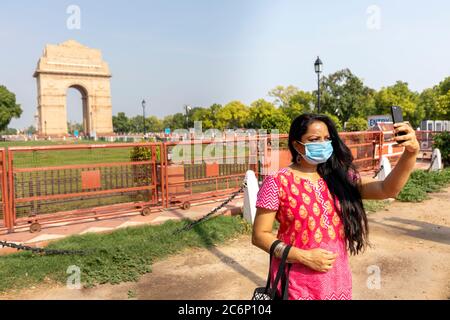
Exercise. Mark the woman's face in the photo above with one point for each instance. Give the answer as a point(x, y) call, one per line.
point(317, 132)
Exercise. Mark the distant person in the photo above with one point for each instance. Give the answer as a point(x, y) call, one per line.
point(318, 202)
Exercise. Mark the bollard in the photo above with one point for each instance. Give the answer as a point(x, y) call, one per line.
point(436, 160)
point(386, 168)
point(250, 194)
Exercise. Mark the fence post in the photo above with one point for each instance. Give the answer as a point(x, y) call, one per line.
point(381, 147)
point(5, 208)
point(11, 212)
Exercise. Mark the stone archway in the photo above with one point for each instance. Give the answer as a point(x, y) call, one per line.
point(72, 65)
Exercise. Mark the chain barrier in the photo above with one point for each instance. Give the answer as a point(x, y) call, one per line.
point(41, 250)
point(204, 218)
point(80, 252)
point(378, 171)
point(432, 163)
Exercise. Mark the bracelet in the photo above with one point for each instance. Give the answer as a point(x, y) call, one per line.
point(279, 249)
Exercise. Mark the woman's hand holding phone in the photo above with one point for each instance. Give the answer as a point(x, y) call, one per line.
point(405, 136)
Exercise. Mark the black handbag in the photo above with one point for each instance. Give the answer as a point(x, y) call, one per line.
point(270, 292)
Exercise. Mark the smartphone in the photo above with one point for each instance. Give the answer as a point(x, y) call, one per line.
point(397, 117)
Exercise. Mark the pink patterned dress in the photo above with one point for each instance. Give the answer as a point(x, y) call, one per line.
point(308, 220)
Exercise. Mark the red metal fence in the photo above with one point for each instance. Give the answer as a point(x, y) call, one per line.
point(208, 169)
point(60, 184)
point(68, 183)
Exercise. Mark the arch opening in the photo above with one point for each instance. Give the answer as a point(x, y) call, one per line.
point(78, 117)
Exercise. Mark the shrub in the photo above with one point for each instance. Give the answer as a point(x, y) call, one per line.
point(356, 124)
point(422, 182)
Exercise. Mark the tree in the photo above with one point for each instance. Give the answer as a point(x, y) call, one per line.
point(9, 132)
point(277, 120)
point(335, 119)
point(260, 110)
point(137, 124)
point(8, 107)
point(121, 123)
point(400, 95)
point(215, 108)
point(443, 104)
point(443, 99)
point(233, 115)
point(175, 121)
point(345, 95)
point(283, 95)
point(299, 103)
point(205, 115)
point(356, 124)
point(427, 101)
point(153, 124)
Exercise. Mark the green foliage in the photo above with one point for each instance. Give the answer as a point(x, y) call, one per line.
point(259, 111)
point(422, 182)
point(428, 102)
point(412, 193)
point(283, 95)
point(442, 142)
point(10, 131)
point(356, 124)
point(153, 124)
point(375, 205)
point(120, 256)
point(175, 121)
point(400, 95)
point(335, 119)
point(443, 99)
point(277, 120)
point(143, 154)
point(234, 115)
point(345, 95)
point(299, 103)
point(8, 107)
point(204, 115)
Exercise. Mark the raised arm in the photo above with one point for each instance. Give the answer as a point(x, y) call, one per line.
point(396, 180)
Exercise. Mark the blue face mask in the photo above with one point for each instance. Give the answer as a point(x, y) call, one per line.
point(317, 152)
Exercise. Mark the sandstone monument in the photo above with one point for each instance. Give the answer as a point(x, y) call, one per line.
point(72, 65)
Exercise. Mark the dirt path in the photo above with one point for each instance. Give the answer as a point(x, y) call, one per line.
point(410, 248)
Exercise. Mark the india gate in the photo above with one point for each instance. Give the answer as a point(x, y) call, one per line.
point(72, 65)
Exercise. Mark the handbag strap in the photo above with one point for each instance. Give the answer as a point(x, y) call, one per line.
point(272, 250)
point(281, 272)
point(285, 283)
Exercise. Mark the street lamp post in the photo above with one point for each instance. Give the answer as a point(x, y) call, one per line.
point(143, 114)
point(318, 68)
point(187, 108)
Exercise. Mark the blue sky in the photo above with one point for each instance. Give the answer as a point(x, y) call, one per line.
point(200, 52)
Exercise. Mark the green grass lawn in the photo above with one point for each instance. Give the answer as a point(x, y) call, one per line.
point(375, 205)
point(120, 256)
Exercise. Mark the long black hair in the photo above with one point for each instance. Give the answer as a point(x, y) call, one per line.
point(335, 172)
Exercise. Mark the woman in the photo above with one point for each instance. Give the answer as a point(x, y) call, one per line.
point(318, 202)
